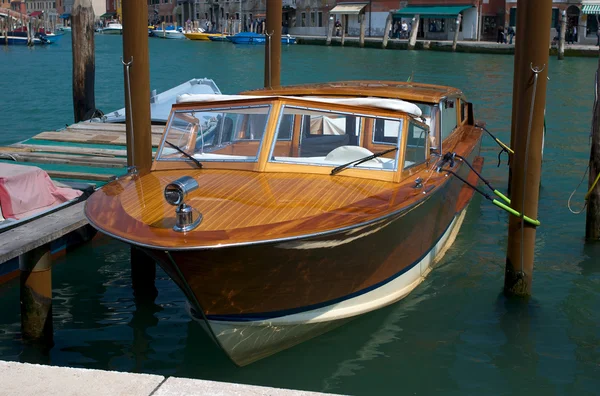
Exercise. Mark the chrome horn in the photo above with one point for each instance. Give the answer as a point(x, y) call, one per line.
point(175, 193)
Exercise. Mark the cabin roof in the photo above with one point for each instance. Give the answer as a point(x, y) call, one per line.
point(381, 103)
point(410, 91)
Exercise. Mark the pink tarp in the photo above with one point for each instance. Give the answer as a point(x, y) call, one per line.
point(26, 190)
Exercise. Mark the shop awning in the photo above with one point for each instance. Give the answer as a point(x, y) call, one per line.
point(65, 16)
point(348, 8)
point(591, 9)
point(432, 11)
point(108, 15)
point(35, 14)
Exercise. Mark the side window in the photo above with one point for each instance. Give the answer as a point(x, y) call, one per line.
point(286, 127)
point(386, 131)
point(416, 144)
point(449, 121)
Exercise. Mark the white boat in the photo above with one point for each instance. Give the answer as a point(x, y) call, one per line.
point(113, 28)
point(160, 104)
point(168, 34)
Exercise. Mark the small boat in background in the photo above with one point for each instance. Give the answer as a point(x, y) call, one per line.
point(204, 36)
point(247, 38)
point(282, 214)
point(161, 103)
point(220, 37)
point(20, 38)
point(256, 38)
point(169, 33)
point(113, 28)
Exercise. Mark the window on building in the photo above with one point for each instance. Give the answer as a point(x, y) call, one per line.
point(312, 19)
point(437, 25)
point(555, 18)
point(303, 19)
point(513, 17)
point(320, 19)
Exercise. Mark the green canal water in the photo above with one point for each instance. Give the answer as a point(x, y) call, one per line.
point(455, 334)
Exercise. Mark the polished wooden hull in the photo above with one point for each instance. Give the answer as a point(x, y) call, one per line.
point(259, 299)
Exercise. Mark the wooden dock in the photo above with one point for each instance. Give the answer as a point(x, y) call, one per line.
point(93, 152)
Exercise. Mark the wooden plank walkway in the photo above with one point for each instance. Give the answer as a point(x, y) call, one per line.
point(85, 151)
point(36, 233)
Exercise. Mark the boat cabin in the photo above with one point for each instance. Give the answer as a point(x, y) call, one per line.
point(382, 137)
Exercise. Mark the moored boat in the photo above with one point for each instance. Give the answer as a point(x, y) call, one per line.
point(256, 38)
point(169, 33)
point(220, 37)
point(28, 193)
point(288, 212)
point(20, 38)
point(204, 36)
point(113, 28)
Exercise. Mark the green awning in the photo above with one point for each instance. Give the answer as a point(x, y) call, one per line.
point(108, 15)
point(591, 9)
point(432, 11)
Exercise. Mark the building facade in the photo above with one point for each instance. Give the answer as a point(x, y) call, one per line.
point(582, 19)
point(41, 7)
point(161, 11)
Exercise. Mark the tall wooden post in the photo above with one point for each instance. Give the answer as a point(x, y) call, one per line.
point(563, 33)
point(456, 31)
point(413, 33)
point(135, 50)
point(273, 51)
point(137, 116)
point(84, 69)
point(36, 295)
point(361, 39)
point(330, 28)
point(386, 31)
point(528, 126)
point(343, 27)
point(592, 221)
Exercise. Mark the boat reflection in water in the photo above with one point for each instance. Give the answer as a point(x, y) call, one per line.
point(284, 213)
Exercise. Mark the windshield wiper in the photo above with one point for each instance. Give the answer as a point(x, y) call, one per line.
point(184, 153)
point(359, 161)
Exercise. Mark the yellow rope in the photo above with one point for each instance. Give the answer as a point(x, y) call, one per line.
point(593, 186)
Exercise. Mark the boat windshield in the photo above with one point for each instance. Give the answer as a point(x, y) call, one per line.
point(312, 136)
point(216, 134)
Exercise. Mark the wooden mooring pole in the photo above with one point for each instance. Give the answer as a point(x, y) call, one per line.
point(136, 68)
point(592, 221)
point(273, 48)
point(36, 295)
point(412, 41)
point(456, 31)
point(531, 74)
point(84, 69)
point(562, 34)
point(386, 31)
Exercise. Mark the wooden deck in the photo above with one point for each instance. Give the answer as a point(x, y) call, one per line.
point(87, 151)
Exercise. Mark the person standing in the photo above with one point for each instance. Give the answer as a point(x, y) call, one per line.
point(511, 34)
point(574, 38)
point(500, 38)
point(404, 30)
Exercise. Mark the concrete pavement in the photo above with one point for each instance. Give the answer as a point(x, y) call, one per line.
point(23, 379)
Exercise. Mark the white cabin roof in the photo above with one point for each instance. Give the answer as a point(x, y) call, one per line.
point(381, 103)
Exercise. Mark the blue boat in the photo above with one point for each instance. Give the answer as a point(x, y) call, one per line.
point(255, 38)
point(20, 38)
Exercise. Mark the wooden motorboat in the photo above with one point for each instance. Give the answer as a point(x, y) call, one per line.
point(284, 213)
point(204, 36)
